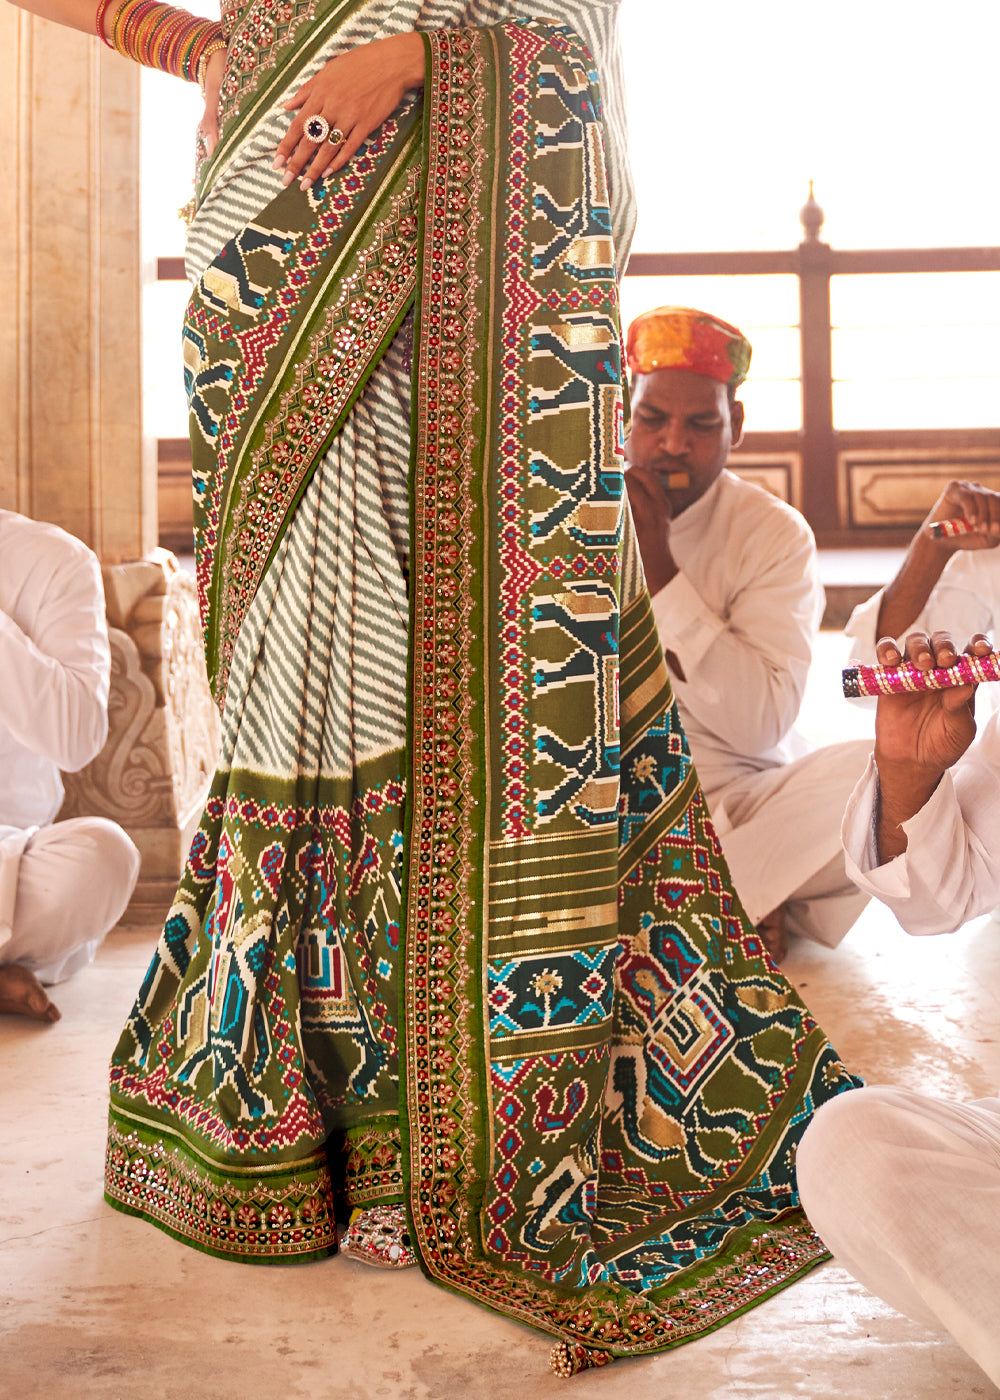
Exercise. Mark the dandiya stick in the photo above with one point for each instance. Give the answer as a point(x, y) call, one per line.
point(900, 680)
point(948, 529)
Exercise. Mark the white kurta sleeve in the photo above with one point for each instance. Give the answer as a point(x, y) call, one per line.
point(745, 673)
point(955, 603)
point(950, 870)
point(54, 691)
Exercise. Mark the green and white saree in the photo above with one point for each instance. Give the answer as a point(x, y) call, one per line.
point(455, 932)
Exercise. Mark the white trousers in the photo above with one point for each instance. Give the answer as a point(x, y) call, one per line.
point(780, 833)
point(73, 881)
point(905, 1192)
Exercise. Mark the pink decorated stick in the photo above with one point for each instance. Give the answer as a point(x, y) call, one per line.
point(898, 680)
point(948, 529)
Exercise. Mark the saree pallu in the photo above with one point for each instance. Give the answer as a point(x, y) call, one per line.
point(466, 942)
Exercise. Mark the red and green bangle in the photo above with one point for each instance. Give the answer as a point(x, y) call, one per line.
point(161, 36)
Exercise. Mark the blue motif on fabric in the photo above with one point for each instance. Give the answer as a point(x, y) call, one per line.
point(657, 765)
point(551, 991)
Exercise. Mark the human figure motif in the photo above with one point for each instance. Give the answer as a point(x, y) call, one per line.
point(904, 1187)
point(737, 599)
point(454, 928)
point(63, 885)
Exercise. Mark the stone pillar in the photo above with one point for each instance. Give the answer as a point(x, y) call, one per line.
point(72, 449)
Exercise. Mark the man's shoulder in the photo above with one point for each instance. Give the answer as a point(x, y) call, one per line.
point(42, 539)
point(746, 497)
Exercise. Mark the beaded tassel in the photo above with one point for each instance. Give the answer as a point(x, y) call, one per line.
point(570, 1358)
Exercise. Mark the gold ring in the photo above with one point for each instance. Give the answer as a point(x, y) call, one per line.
point(317, 129)
point(337, 137)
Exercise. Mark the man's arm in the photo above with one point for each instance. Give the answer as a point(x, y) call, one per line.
point(907, 595)
point(918, 736)
point(56, 667)
point(746, 667)
point(921, 831)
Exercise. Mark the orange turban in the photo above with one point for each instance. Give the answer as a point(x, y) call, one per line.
point(678, 337)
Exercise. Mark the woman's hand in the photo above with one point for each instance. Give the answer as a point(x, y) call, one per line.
point(208, 127)
point(354, 93)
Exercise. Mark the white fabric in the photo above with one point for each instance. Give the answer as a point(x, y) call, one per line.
point(950, 871)
point(965, 599)
point(741, 617)
point(74, 880)
point(905, 1191)
point(55, 665)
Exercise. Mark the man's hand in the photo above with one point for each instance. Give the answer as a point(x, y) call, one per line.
point(919, 735)
point(967, 500)
point(651, 515)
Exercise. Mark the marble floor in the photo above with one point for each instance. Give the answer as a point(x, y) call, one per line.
point(96, 1305)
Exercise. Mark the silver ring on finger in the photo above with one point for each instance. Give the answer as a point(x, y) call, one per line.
point(317, 129)
point(337, 137)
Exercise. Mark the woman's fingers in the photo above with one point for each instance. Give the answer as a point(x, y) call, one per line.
point(316, 153)
point(208, 127)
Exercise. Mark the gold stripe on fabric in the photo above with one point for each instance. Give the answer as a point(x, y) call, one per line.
point(546, 890)
point(592, 252)
point(551, 1042)
point(648, 691)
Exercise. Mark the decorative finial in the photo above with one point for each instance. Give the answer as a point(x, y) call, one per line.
point(811, 217)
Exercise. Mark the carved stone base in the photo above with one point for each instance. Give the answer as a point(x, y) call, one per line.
point(153, 773)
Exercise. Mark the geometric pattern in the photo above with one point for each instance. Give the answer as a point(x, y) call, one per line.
point(460, 933)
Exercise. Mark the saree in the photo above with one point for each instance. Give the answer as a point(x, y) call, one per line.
point(455, 932)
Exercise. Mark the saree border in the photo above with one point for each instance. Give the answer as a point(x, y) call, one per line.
point(445, 1096)
point(275, 361)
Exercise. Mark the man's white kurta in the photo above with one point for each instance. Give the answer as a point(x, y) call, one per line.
point(905, 1188)
point(55, 668)
point(950, 870)
point(741, 617)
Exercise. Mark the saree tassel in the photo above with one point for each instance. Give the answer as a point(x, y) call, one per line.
point(569, 1358)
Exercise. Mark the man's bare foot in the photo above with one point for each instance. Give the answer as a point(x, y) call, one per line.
point(773, 935)
point(21, 994)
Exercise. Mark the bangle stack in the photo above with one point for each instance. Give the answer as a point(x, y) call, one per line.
point(162, 36)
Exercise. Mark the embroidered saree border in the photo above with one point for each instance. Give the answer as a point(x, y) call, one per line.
point(268, 42)
point(282, 332)
point(516, 1012)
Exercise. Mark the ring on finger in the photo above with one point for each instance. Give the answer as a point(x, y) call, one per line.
point(317, 128)
point(337, 137)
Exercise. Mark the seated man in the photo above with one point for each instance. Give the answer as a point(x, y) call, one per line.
point(735, 585)
point(904, 1188)
point(62, 886)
